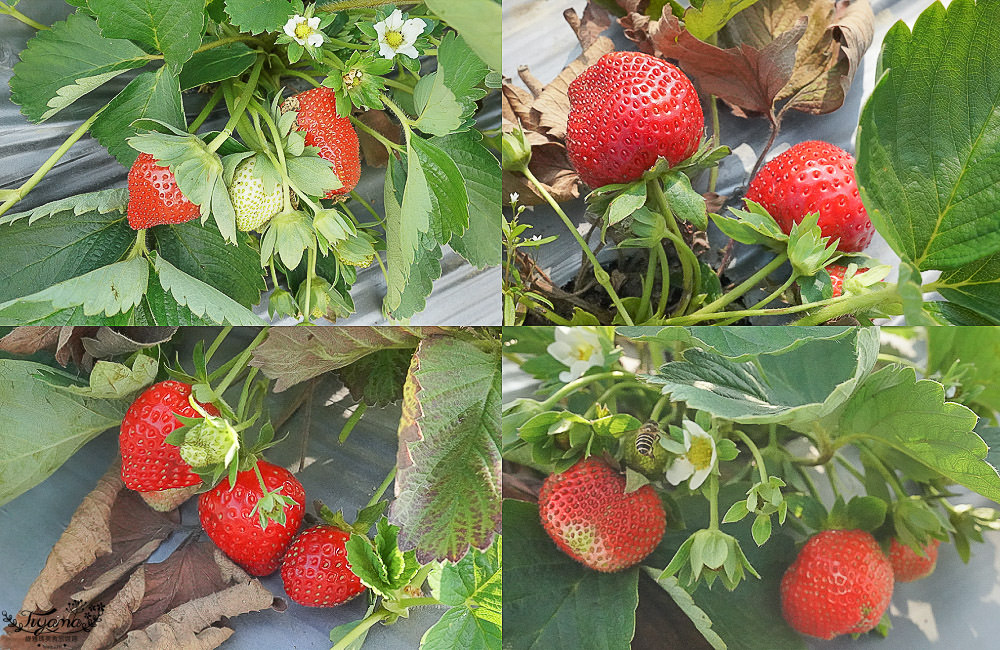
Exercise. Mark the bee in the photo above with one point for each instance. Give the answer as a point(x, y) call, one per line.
point(647, 436)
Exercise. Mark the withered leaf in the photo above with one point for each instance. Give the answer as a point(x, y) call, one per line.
point(550, 165)
point(111, 532)
point(29, 339)
point(176, 604)
point(588, 30)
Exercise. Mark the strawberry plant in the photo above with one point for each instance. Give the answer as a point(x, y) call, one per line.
point(228, 445)
point(693, 483)
point(245, 129)
point(639, 136)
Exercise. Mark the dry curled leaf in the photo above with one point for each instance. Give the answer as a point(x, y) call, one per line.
point(542, 114)
point(178, 603)
point(772, 57)
point(83, 345)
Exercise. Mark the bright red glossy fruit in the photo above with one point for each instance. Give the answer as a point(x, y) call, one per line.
point(815, 177)
point(228, 516)
point(315, 570)
point(627, 110)
point(907, 565)
point(154, 198)
point(840, 583)
point(333, 135)
point(148, 462)
point(837, 272)
point(587, 513)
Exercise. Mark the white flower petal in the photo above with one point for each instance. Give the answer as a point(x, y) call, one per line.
point(409, 51)
point(291, 24)
point(411, 29)
point(313, 22)
point(560, 351)
point(566, 376)
point(380, 30)
point(680, 470)
point(315, 39)
point(394, 21)
point(385, 51)
point(697, 478)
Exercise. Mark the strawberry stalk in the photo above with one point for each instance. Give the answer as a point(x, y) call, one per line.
point(341, 5)
point(14, 13)
point(366, 624)
point(241, 106)
point(213, 101)
point(689, 261)
point(722, 302)
point(850, 304)
point(766, 301)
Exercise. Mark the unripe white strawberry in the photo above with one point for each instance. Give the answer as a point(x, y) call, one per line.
point(254, 207)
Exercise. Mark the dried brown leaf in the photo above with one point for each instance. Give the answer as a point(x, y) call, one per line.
point(588, 29)
point(373, 151)
point(550, 165)
point(552, 105)
point(177, 604)
point(111, 532)
point(29, 339)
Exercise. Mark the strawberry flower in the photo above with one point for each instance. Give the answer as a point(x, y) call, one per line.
point(304, 30)
point(577, 347)
point(396, 36)
point(697, 460)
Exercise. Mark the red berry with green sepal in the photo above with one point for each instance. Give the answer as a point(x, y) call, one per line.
point(315, 570)
point(252, 523)
point(627, 110)
point(590, 517)
point(815, 177)
point(154, 198)
point(840, 583)
point(908, 565)
point(333, 135)
point(149, 463)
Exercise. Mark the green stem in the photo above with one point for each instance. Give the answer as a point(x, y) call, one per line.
point(577, 384)
point(689, 261)
point(767, 301)
point(658, 407)
point(421, 575)
point(600, 274)
point(888, 295)
point(14, 13)
point(398, 85)
point(416, 602)
point(352, 421)
point(241, 106)
point(345, 44)
point(226, 41)
point(40, 173)
point(642, 313)
point(398, 112)
point(713, 176)
point(383, 487)
point(851, 469)
point(357, 632)
point(831, 475)
point(216, 343)
point(367, 206)
point(888, 474)
point(212, 102)
point(139, 247)
point(804, 473)
point(661, 305)
point(240, 362)
point(386, 142)
point(756, 454)
point(713, 502)
point(309, 276)
point(301, 75)
point(341, 5)
point(748, 284)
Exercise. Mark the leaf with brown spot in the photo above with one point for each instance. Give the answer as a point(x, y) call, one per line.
point(176, 604)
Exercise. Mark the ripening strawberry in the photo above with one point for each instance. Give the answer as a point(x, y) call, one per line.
point(837, 272)
point(627, 110)
point(315, 570)
point(250, 526)
point(333, 135)
point(149, 464)
point(587, 513)
point(815, 177)
point(840, 583)
point(153, 196)
point(254, 207)
point(907, 565)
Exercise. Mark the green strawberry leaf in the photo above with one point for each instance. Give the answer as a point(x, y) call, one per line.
point(202, 253)
point(173, 27)
point(912, 416)
point(755, 225)
point(683, 599)
point(738, 343)
point(448, 499)
point(158, 307)
point(381, 565)
point(62, 240)
point(473, 588)
point(63, 63)
point(686, 203)
point(412, 259)
point(107, 291)
point(108, 380)
point(979, 348)
point(341, 631)
point(550, 602)
point(975, 287)
point(217, 64)
point(481, 172)
point(940, 216)
point(202, 299)
point(712, 16)
point(435, 194)
point(478, 21)
point(377, 379)
point(446, 99)
point(153, 95)
point(292, 355)
point(312, 175)
point(782, 387)
point(44, 425)
point(256, 16)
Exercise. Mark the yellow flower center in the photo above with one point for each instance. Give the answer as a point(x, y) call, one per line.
point(700, 454)
point(584, 351)
point(394, 39)
point(302, 30)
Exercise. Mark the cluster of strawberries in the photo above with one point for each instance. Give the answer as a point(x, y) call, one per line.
point(253, 521)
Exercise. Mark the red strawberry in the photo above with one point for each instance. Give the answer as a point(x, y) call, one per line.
point(837, 272)
point(815, 177)
point(627, 110)
point(232, 518)
point(148, 463)
point(315, 570)
point(153, 196)
point(586, 511)
point(907, 565)
point(333, 135)
point(840, 583)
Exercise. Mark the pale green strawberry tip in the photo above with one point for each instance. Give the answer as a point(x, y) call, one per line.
point(254, 207)
point(213, 441)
